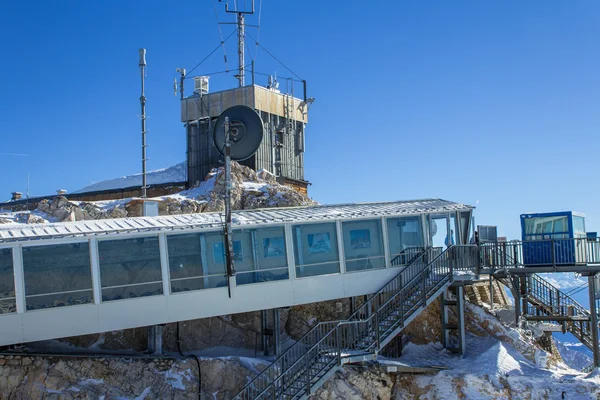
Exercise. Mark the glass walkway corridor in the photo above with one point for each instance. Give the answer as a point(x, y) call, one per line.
point(76, 278)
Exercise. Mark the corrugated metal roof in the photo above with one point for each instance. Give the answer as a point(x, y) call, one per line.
point(215, 220)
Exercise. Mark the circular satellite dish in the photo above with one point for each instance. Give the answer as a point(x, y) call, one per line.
point(245, 132)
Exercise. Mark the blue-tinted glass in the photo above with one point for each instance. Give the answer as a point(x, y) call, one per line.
point(57, 275)
point(130, 268)
point(187, 264)
point(267, 258)
point(363, 245)
point(315, 249)
point(405, 237)
point(7, 282)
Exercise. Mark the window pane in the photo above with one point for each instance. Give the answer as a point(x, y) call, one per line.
point(57, 276)
point(363, 245)
point(405, 236)
point(188, 266)
point(268, 254)
point(130, 268)
point(578, 225)
point(7, 283)
point(315, 249)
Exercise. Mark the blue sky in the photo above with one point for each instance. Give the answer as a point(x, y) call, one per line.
point(489, 101)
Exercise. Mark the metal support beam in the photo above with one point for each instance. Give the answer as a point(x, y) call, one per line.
point(277, 331)
point(517, 296)
point(524, 302)
point(155, 340)
point(491, 292)
point(264, 325)
point(460, 305)
point(594, 315)
point(445, 321)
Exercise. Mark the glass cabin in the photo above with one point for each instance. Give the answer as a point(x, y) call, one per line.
point(557, 238)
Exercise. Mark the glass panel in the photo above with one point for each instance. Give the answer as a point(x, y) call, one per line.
point(315, 249)
point(8, 302)
point(57, 276)
point(363, 245)
point(579, 226)
point(130, 268)
point(187, 269)
point(466, 228)
point(405, 236)
point(453, 231)
point(438, 229)
point(268, 255)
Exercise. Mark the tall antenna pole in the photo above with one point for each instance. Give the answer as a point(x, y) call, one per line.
point(241, 27)
point(241, 37)
point(228, 232)
point(142, 64)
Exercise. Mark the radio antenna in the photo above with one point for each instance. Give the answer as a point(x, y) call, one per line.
point(241, 25)
point(142, 65)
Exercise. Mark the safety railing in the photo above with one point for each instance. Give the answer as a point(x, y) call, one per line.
point(547, 252)
point(550, 300)
point(298, 369)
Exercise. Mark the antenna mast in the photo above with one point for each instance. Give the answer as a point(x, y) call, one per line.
point(241, 26)
point(142, 65)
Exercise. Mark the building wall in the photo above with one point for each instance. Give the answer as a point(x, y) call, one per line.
point(281, 150)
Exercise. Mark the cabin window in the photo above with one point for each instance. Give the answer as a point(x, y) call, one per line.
point(405, 237)
point(8, 302)
point(57, 275)
point(316, 250)
point(130, 268)
point(363, 245)
point(189, 268)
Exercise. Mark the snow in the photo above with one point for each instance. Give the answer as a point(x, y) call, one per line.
point(175, 378)
point(175, 173)
point(145, 393)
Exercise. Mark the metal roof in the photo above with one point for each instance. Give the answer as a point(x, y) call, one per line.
point(215, 220)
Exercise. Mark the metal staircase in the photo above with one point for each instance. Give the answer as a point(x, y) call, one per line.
point(547, 300)
point(328, 345)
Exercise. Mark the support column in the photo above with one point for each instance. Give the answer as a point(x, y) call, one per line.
point(524, 303)
point(594, 319)
point(444, 313)
point(517, 296)
point(264, 322)
point(491, 292)
point(460, 305)
point(276, 331)
point(155, 339)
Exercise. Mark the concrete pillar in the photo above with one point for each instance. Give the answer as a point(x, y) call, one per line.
point(444, 312)
point(594, 319)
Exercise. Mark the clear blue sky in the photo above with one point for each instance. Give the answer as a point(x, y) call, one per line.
point(496, 101)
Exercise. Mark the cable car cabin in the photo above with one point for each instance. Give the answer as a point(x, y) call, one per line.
point(557, 238)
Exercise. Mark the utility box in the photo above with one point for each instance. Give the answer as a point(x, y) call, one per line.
point(557, 238)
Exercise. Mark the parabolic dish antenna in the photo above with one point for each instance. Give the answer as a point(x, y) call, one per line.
point(245, 132)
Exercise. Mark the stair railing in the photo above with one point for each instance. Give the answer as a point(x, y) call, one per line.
point(283, 373)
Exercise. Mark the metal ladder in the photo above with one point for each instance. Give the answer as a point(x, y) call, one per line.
point(307, 364)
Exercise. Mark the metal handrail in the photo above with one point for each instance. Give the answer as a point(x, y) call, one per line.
point(553, 252)
point(274, 377)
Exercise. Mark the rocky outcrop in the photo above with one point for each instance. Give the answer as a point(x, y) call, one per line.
point(249, 191)
point(96, 378)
